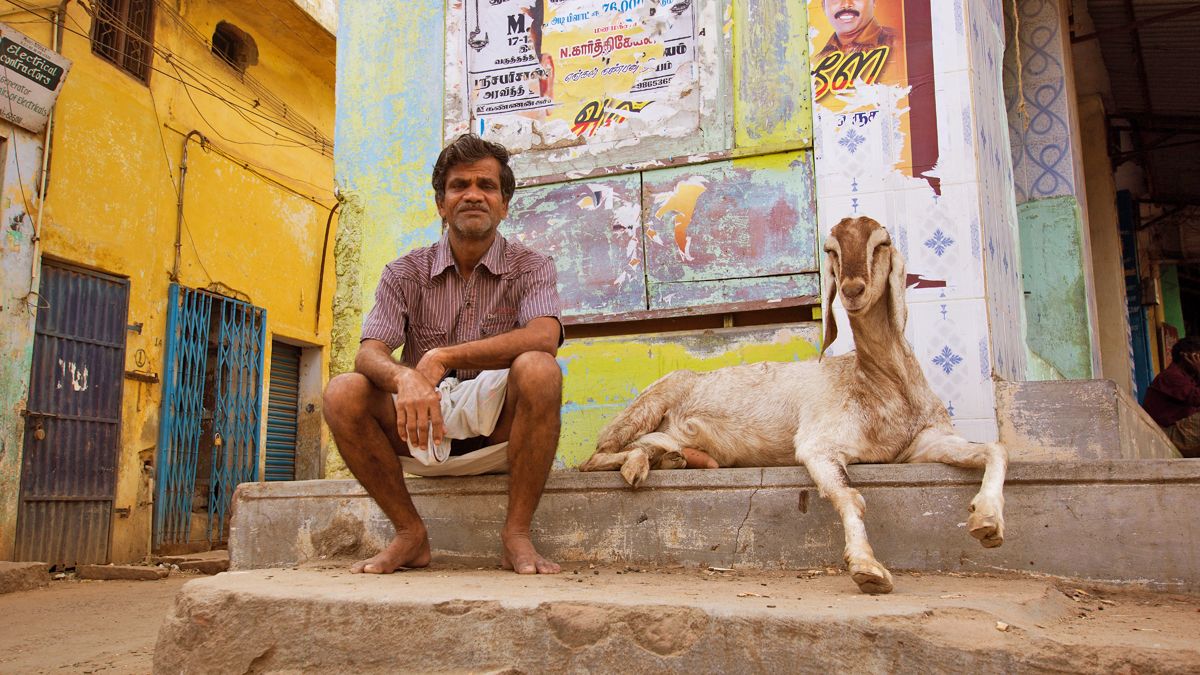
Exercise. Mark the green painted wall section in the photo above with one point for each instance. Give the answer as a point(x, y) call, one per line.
point(1052, 266)
point(388, 133)
point(1172, 304)
point(601, 376)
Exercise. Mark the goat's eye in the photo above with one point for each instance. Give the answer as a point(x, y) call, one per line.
point(882, 244)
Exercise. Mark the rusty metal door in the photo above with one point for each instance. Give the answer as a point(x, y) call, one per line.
point(73, 418)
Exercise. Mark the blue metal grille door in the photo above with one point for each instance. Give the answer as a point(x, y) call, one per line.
point(283, 401)
point(238, 408)
point(209, 427)
point(73, 418)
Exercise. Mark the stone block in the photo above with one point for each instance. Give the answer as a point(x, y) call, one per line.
point(121, 572)
point(23, 576)
point(665, 621)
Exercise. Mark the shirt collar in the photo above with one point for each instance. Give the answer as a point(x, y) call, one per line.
point(494, 260)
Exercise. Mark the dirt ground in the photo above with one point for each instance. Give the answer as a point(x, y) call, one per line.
point(76, 626)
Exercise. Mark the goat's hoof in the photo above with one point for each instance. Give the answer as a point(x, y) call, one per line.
point(988, 529)
point(871, 578)
point(636, 468)
point(672, 459)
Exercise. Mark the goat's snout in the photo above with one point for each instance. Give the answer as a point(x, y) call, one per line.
point(853, 288)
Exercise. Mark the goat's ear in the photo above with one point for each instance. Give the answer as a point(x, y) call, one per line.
point(897, 285)
point(828, 293)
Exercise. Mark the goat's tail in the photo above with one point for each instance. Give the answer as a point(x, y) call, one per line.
point(646, 412)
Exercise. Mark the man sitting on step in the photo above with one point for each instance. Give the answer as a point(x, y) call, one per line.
point(1173, 399)
point(479, 308)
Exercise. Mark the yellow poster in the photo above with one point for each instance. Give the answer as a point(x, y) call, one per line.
point(580, 68)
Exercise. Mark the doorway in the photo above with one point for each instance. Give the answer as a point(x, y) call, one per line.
point(73, 418)
point(211, 416)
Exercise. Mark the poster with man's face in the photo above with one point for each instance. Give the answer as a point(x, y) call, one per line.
point(856, 40)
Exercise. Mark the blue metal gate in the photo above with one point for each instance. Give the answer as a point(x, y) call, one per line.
point(211, 412)
point(1139, 333)
point(283, 400)
point(73, 418)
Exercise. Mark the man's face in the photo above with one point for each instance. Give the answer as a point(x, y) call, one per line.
point(473, 205)
point(848, 16)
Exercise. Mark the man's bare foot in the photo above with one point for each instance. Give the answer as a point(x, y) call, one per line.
point(520, 556)
point(698, 459)
point(404, 551)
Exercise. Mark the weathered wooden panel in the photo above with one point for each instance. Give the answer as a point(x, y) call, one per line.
point(721, 291)
point(772, 94)
point(752, 217)
point(593, 231)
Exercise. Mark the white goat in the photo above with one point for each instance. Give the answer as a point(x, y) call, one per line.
point(870, 406)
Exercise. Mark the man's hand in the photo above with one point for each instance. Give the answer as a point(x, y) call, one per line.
point(418, 404)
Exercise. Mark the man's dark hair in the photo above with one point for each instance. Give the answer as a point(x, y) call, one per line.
point(1188, 345)
point(470, 148)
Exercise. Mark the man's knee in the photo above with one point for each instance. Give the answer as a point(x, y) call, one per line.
point(537, 375)
point(346, 397)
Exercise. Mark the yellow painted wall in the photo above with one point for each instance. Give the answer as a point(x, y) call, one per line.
point(112, 199)
point(602, 376)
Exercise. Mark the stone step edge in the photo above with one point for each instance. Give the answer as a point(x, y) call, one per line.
point(1133, 471)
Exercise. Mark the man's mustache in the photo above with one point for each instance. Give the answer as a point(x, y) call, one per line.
point(839, 14)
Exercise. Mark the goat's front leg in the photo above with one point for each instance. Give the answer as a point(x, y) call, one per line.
point(829, 474)
point(986, 522)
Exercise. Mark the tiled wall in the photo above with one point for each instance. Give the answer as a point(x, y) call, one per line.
point(966, 236)
point(1036, 98)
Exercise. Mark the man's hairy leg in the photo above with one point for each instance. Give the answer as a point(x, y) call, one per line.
point(530, 422)
point(362, 419)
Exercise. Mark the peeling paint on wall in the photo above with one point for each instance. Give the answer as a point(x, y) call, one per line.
point(601, 376)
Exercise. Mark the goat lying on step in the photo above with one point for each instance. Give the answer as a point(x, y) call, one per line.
point(870, 406)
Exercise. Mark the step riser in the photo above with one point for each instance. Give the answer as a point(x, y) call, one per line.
point(1107, 521)
point(215, 631)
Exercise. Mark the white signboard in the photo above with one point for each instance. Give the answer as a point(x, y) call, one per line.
point(31, 77)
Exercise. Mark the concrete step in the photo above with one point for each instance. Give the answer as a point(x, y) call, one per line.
point(208, 562)
point(1118, 521)
point(1064, 420)
point(683, 620)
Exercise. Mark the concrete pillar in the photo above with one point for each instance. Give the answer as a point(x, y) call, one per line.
point(924, 150)
point(1052, 203)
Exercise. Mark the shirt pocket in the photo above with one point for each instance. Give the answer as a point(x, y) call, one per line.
point(501, 320)
point(424, 338)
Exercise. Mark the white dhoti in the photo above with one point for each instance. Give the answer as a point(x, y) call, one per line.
point(469, 409)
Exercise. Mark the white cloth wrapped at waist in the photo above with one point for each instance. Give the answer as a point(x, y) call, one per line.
point(469, 409)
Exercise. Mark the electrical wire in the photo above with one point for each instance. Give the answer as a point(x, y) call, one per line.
point(174, 186)
point(174, 61)
point(287, 119)
point(98, 13)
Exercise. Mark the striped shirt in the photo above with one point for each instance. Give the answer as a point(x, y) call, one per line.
point(422, 302)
